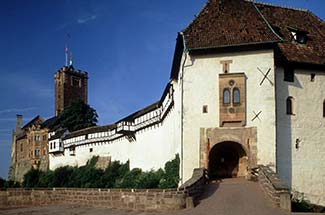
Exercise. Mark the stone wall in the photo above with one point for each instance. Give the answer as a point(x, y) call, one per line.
point(146, 200)
point(194, 187)
point(275, 188)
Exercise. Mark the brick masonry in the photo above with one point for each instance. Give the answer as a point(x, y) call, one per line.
point(144, 200)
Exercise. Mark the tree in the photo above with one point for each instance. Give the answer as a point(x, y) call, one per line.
point(78, 116)
point(2, 182)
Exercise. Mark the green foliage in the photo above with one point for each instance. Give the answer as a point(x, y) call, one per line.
point(171, 177)
point(46, 179)
point(300, 204)
point(149, 180)
point(11, 184)
point(116, 175)
point(2, 182)
point(61, 177)
point(78, 116)
point(129, 179)
point(31, 178)
point(113, 174)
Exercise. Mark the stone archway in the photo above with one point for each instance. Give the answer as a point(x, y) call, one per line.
point(227, 160)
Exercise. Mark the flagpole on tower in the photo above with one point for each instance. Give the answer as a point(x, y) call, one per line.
point(66, 55)
point(67, 49)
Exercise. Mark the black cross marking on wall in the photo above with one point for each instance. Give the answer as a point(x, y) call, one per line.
point(256, 115)
point(265, 76)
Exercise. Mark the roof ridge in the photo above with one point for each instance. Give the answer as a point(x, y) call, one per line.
point(266, 21)
point(274, 5)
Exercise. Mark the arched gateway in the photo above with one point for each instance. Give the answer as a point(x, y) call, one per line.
point(228, 152)
point(227, 160)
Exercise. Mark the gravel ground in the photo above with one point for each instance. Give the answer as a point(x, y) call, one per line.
point(229, 197)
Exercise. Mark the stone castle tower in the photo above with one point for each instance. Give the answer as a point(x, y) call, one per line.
point(70, 85)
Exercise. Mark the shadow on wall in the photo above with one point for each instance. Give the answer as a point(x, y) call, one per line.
point(285, 141)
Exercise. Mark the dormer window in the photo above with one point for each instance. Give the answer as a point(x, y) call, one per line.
point(298, 36)
point(301, 38)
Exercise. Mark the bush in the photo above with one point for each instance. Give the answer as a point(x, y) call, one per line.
point(11, 184)
point(171, 177)
point(299, 203)
point(31, 178)
point(149, 180)
point(116, 175)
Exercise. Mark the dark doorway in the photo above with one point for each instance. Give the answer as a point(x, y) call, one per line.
point(227, 160)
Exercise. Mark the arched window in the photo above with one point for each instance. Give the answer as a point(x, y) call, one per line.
point(226, 96)
point(236, 96)
point(290, 105)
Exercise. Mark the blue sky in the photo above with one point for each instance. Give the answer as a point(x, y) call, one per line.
point(126, 47)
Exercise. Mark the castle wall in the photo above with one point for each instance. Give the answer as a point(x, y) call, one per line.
point(151, 148)
point(201, 87)
point(301, 137)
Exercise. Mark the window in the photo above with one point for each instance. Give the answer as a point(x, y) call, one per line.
point(236, 96)
point(312, 77)
point(37, 153)
point(301, 38)
point(289, 74)
point(21, 147)
point(91, 150)
point(290, 105)
point(324, 108)
point(297, 35)
point(50, 145)
point(44, 137)
point(36, 138)
point(226, 96)
point(75, 81)
point(205, 109)
point(226, 65)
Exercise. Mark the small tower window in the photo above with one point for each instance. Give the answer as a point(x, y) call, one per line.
point(236, 96)
point(290, 105)
point(226, 96)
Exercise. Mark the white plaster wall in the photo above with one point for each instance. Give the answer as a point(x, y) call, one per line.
point(302, 168)
point(154, 146)
point(201, 87)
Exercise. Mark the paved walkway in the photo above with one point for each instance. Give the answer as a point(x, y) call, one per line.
point(229, 197)
point(232, 197)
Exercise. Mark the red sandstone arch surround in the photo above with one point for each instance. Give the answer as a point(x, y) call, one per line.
point(245, 138)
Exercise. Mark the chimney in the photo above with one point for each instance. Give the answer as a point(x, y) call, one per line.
point(19, 122)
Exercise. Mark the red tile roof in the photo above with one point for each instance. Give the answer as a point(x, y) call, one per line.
point(224, 23)
point(282, 18)
point(231, 22)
